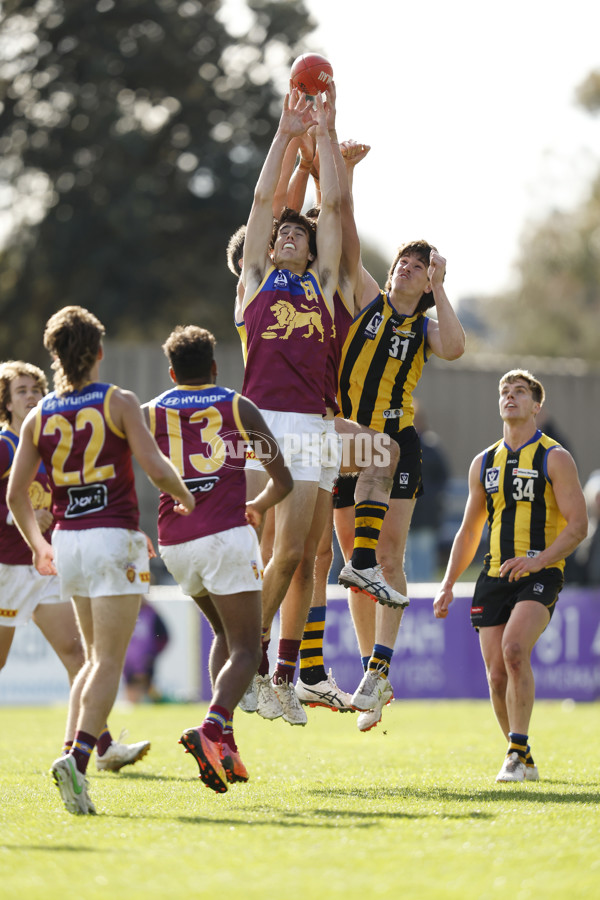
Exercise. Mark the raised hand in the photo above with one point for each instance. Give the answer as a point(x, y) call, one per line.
point(297, 115)
point(353, 152)
point(437, 268)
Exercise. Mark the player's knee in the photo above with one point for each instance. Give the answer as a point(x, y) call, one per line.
point(514, 654)
point(497, 679)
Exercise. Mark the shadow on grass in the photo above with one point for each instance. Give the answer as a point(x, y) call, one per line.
point(66, 848)
point(520, 793)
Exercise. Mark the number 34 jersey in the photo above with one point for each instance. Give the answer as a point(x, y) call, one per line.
point(88, 460)
point(523, 518)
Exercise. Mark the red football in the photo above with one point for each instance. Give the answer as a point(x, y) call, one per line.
point(311, 73)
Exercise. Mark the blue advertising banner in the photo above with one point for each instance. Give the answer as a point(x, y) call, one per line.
point(440, 658)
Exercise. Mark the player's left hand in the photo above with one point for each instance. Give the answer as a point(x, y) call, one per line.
point(518, 566)
point(43, 560)
point(437, 268)
point(253, 516)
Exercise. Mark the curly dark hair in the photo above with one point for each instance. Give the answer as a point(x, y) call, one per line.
point(73, 337)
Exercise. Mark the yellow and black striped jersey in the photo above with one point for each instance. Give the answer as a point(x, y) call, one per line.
point(382, 361)
point(523, 518)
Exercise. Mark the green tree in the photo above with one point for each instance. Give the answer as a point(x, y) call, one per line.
point(555, 309)
point(132, 134)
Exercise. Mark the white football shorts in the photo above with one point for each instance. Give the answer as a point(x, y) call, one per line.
point(22, 590)
point(228, 562)
point(300, 437)
point(101, 562)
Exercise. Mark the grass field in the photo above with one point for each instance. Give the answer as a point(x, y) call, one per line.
point(409, 810)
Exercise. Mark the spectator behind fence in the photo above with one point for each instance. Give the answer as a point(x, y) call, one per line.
point(423, 538)
point(149, 639)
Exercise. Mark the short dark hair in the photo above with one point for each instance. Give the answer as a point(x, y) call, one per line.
point(190, 351)
point(422, 250)
point(535, 385)
point(291, 215)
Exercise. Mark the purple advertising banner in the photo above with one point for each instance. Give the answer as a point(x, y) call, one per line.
point(440, 658)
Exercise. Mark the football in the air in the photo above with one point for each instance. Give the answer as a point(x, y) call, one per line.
point(311, 73)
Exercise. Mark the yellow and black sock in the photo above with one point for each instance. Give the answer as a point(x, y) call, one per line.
point(312, 668)
point(381, 659)
point(368, 519)
point(517, 744)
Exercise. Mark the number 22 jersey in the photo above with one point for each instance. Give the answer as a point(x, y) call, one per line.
point(88, 460)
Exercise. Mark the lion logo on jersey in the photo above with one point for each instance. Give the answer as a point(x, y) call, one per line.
point(39, 496)
point(289, 318)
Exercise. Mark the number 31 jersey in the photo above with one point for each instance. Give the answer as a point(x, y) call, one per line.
point(88, 460)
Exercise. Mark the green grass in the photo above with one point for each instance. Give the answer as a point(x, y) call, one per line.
point(409, 810)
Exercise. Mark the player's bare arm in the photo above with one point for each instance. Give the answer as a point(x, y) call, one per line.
point(570, 500)
point(329, 229)
point(296, 118)
point(23, 471)
point(446, 336)
point(466, 541)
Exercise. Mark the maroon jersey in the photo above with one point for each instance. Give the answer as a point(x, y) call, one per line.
point(286, 333)
point(200, 430)
point(88, 460)
point(14, 550)
point(343, 320)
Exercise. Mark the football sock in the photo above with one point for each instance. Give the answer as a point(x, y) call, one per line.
point(380, 660)
point(228, 737)
point(287, 655)
point(368, 519)
point(215, 722)
point(263, 668)
point(312, 669)
point(104, 741)
point(529, 758)
point(82, 748)
point(517, 744)
point(66, 748)
point(365, 662)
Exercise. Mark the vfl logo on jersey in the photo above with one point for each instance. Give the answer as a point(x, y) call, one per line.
point(525, 473)
point(538, 588)
point(393, 413)
point(531, 554)
point(201, 485)
point(492, 480)
point(373, 326)
point(403, 479)
point(289, 318)
point(280, 281)
point(84, 500)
